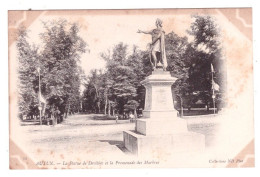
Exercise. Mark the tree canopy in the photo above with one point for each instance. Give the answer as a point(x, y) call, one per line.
point(189, 61)
point(116, 88)
point(58, 61)
point(120, 84)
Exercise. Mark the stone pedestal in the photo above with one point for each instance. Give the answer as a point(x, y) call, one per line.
point(149, 145)
point(158, 96)
point(160, 126)
point(160, 129)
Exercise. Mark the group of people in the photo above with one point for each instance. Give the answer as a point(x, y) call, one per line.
point(129, 116)
point(53, 116)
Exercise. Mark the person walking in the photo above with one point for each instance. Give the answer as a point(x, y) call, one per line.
point(116, 118)
point(131, 117)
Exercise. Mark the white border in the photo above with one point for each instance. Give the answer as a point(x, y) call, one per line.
point(117, 4)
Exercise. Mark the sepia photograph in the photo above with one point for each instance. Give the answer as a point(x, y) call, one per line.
point(131, 88)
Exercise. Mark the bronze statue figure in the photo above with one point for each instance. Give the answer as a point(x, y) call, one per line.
point(157, 47)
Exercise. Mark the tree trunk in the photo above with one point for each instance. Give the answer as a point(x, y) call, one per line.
point(135, 113)
point(54, 119)
point(98, 98)
point(68, 111)
point(98, 104)
point(113, 112)
point(105, 111)
point(109, 108)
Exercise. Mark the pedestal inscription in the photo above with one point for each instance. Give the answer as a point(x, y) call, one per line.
point(158, 98)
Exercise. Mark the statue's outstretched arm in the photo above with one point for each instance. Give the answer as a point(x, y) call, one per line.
point(145, 32)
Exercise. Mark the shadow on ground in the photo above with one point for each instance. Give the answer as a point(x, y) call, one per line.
point(29, 122)
point(196, 112)
point(103, 117)
point(118, 144)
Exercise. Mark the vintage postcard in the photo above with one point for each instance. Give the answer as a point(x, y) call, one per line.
point(146, 88)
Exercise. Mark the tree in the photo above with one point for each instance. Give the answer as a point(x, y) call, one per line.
point(176, 48)
point(207, 47)
point(132, 105)
point(139, 62)
point(179, 52)
point(120, 82)
point(190, 61)
point(94, 92)
point(119, 86)
point(121, 77)
point(58, 60)
point(27, 57)
point(61, 74)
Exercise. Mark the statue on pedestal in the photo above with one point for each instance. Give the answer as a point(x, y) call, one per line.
point(160, 130)
point(157, 47)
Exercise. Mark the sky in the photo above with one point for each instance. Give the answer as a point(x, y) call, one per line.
point(102, 32)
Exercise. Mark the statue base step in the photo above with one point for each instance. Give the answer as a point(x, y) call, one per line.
point(160, 114)
point(149, 145)
point(161, 126)
point(161, 130)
